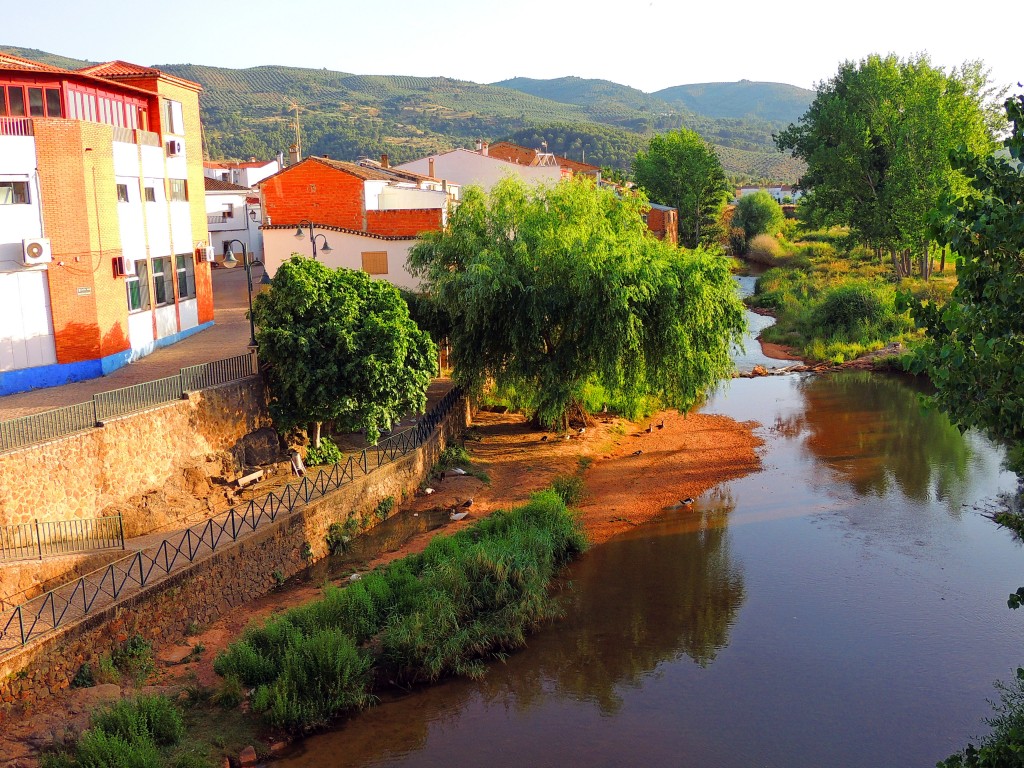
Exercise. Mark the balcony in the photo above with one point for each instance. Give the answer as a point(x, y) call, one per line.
point(136, 136)
point(216, 218)
point(16, 126)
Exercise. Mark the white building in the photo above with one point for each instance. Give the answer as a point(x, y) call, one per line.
point(465, 167)
point(233, 212)
point(247, 174)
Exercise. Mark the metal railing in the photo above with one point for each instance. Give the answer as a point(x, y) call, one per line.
point(124, 135)
point(49, 425)
point(216, 218)
point(131, 574)
point(147, 138)
point(37, 540)
point(16, 126)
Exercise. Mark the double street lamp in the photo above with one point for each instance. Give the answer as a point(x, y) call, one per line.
point(230, 262)
point(312, 237)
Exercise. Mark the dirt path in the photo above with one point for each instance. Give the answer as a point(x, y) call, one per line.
point(631, 475)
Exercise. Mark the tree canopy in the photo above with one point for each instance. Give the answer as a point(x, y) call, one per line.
point(340, 346)
point(680, 169)
point(877, 140)
point(975, 343)
point(552, 288)
point(758, 214)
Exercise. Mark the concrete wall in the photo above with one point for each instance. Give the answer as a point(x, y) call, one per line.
point(128, 456)
point(212, 586)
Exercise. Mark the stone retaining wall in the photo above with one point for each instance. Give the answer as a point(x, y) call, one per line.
point(230, 577)
point(81, 475)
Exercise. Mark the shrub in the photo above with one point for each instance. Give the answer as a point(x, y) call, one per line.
point(134, 658)
point(737, 241)
point(98, 749)
point(152, 717)
point(84, 677)
point(452, 456)
point(326, 454)
point(758, 214)
point(1004, 744)
point(848, 306)
point(764, 249)
point(384, 508)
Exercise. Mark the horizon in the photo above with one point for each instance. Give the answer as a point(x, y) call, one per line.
point(486, 45)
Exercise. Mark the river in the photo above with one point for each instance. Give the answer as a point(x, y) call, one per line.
point(846, 606)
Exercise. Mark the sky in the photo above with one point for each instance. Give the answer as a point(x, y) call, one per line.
point(647, 44)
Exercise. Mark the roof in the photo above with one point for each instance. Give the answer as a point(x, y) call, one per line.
point(7, 61)
point(344, 230)
point(216, 185)
point(658, 207)
point(228, 165)
point(516, 153)
point(364, 172)
point(118, 68)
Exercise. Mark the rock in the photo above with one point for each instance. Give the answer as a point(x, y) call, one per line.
point(259, 447)
point(174, 654)
point(247, 757)
point(277, 747)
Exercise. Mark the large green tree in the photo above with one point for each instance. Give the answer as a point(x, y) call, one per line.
point(340, 346)
point(975, 343)
point(680, 169)
point(877, 141)
point(757, 213)
point(552, 288)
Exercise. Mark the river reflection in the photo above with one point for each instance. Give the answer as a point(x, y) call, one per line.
point(840, 608)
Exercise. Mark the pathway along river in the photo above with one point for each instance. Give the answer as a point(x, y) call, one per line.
point(846, 606)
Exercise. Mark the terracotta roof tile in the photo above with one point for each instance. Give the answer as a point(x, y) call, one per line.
point(117, 68)
point(7, 61)
point(216, 185)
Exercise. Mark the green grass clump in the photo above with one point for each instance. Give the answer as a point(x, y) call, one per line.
point(465, 598)
point(132, 733)
point(569, 489)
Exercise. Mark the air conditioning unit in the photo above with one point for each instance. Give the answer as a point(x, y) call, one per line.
point(36, 250)
point(174, 147)
point(123, 267)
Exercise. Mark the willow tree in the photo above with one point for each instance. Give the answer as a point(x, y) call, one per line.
point(551, 288)
point(339, 346)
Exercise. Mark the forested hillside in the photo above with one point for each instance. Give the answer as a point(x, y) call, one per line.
point(250, 112)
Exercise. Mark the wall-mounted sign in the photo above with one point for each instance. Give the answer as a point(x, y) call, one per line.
point(85, 291)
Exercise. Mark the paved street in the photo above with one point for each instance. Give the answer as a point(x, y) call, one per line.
point(228, 337)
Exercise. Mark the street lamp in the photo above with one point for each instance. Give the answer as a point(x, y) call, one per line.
point(312, 237)
point(230, 262)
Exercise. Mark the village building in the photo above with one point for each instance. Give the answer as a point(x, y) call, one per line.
point(103, 225)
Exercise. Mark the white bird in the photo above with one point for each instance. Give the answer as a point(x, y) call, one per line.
point(457, 471)
point(687, 501)
point(428, 491)
point(458, 515)
point(582, 430)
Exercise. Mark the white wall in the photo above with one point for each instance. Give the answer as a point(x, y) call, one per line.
point(129, 217)
point(166, 321)
point(346, 251)
point(153, 161)
point(464, 167)
point(158, 224)
point(26, 328)
point(406, 198)
point(17, 222)
point(188, 312)
point(140, 330)
point(181, 227)
point(126, 159)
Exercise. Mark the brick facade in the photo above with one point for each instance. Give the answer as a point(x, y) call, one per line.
point(403, 223)
point(314, 192)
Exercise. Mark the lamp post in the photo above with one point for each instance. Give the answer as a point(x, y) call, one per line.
point(312, 237)
point(230, 262)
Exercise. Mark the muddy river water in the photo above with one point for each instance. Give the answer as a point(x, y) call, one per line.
point(846, 606)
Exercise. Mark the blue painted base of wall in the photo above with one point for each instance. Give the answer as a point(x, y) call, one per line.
point(66, 373)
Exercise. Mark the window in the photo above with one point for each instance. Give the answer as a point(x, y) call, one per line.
point(163, 289)
point(177, 189)
point(150, 194)
point(122, 193)
point(16, 98)
point(35, 102)
point(3, 102)
point(229, 211)
point(375, 262)
point(172, 117)
point(14, 193)
point(137, 286)
point(186, 269)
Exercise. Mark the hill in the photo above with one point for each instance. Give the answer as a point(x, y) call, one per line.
point(773, 102)
point(250, 112)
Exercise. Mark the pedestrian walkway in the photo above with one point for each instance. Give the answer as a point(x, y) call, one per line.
point(228, 337)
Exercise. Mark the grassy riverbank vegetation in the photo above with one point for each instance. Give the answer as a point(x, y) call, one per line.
point(466, 598)
point(834, 301)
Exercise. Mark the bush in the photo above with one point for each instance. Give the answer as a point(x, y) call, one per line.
point(758, 214)
point(764, 249)
point(384, 508)
point(327, 454)
point(98, 749)
point(152, 717)
point(134, 658)
point(1005, 743)
point(848, 307)
point(737, 241)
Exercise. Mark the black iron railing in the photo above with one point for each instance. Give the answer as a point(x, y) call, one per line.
point(133, 573)
point(37, 539)
point(49, 425)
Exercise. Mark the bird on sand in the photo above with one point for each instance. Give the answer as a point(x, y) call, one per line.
point(440, 478)
point(458, 471)
point(686, 502)
point(544, 439)
point(650, 428)
point(468, 503)
point(428, 491)
point(582, 430)
point(457, 515)
point(637, 452)
point(662, 424)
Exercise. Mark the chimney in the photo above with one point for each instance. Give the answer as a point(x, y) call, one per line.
point(293, 154)
point(484, 150)
point(384, 161)
point(444, 185)
point(252, 159)
point(479, 145)
point(430, 166)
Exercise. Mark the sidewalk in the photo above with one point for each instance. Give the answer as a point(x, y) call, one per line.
point(228, 337)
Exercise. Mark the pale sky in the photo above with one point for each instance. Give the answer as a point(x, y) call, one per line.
point(648, 44)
